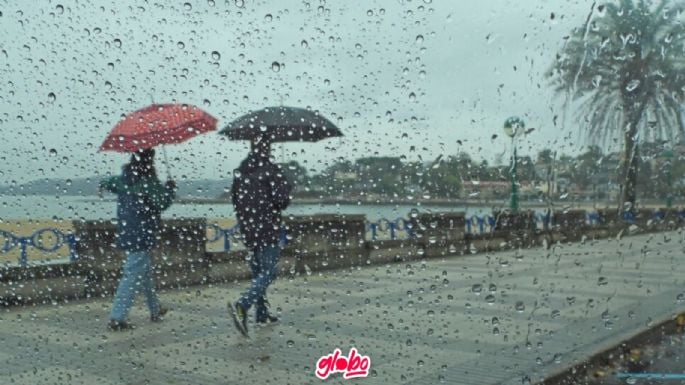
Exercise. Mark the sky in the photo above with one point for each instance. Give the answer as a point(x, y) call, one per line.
point(409, 78)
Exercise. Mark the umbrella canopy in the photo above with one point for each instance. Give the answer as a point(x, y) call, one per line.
point(158, 124)
point(282, 124)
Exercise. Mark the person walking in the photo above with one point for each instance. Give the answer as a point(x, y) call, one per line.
point(141, 198)
point(260, 192)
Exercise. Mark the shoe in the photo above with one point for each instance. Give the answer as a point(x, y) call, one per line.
point(118, 326)
point(239, 315)
point(160, 315)
point(268, 320)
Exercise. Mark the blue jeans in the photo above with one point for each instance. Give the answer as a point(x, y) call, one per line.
point(264, 270)
point(136, 278)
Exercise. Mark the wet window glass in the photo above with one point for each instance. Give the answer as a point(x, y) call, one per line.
point(304, 191)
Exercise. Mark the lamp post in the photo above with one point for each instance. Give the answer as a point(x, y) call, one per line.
point(667, 168)
point(512, 127)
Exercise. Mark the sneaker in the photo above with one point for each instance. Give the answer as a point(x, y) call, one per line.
point(160, 315)
point(118, 326)
point(268, 320)
point(239, 315)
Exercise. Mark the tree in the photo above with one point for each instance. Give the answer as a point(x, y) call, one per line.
point(624, 68)
point(545, 156)
point(442, 178)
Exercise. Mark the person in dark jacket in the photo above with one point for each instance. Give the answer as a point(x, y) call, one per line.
point(260, 191)
point(141, 198)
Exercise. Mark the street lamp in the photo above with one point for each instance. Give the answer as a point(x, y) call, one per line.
point(512, 127)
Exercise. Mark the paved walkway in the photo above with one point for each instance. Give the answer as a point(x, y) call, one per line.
point(495, 318)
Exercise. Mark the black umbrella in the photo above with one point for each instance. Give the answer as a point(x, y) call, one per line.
point(282, 124)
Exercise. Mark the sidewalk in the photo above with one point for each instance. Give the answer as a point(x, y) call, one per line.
point(420, 323)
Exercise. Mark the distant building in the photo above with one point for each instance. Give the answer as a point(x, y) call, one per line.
point(342, 175)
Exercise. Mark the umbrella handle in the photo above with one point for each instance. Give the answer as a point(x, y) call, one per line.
point(166, 162)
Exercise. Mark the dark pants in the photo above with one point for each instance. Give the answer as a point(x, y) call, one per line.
point(264, 269)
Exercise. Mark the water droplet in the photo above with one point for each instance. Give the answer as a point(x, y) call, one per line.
point(216, 55)
point(60, 9)
point(268, 17)
point(211, 3)
point(239, 3)
point(275, 66)
point(602, 281)
point(490, 299)
point(117, 43)
point(477, 288)
point(412, 97)
point(369, 12)
point(180, 45)
point(419, 39)
point(304, 44)
point(632, 85)
point(555, 314)
point(187, 6)
point(520, 307)
point(290, 343)
point(52, 97)
point(53, 152)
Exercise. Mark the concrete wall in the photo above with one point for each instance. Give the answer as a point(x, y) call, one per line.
point(315, 243)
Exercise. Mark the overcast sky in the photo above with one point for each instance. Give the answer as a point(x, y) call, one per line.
point(399, 77)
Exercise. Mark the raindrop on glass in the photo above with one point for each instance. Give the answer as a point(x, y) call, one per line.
point(520, 307)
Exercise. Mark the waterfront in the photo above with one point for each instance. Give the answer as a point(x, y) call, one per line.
point(67, 208)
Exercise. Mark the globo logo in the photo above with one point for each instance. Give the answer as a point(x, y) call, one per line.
point(352, 366)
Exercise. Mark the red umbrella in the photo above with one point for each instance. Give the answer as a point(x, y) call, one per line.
point(158, 124)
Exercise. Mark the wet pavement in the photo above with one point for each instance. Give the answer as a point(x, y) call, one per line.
point(496, 318)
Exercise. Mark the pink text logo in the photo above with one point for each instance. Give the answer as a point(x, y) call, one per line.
point(352, 366)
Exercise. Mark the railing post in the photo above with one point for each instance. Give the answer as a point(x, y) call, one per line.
point(392, 230)
point(374, 231)
point(71, 240)
point(227, 240)
point(469, 224)
point(23, 258)
point(409, 229)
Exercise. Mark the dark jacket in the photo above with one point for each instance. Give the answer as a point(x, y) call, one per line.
point(140, 203)
point(260, 192)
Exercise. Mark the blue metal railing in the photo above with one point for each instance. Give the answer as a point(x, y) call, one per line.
point(232, 234)
point(399, 228)
point(391, 226)
point(37, 240)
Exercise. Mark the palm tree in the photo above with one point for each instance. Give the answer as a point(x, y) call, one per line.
point(623, 69)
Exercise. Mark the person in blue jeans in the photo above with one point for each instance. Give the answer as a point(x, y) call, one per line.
point(141, 198)
point(260, 191)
